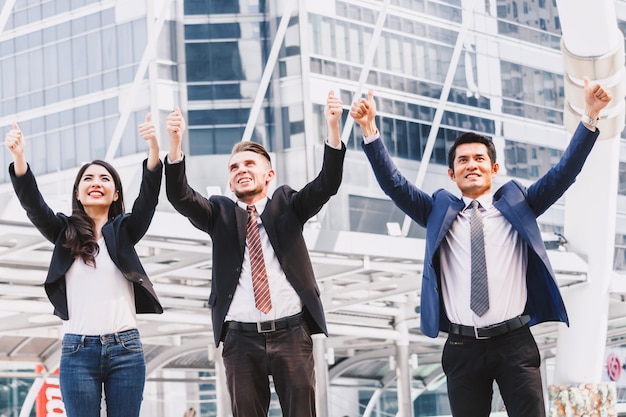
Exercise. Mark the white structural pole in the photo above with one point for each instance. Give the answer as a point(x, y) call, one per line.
point(221, 389)
point(322, 385)
point(279, 37)
point(403, 370)
point(5, 13)
point(367, 64)
point(129, 99)
point(594, 50)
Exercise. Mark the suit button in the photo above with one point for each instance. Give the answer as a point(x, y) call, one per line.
point(230, 296)
point(140, 281)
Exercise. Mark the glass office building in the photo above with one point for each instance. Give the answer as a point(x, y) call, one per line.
point(80, 75)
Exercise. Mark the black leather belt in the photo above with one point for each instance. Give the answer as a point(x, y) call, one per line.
point(267, 326)
point(490, 331)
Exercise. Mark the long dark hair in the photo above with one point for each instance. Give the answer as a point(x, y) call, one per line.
point(79, 235)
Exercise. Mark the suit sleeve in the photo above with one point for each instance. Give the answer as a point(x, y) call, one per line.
point(141, 215)
point(411, 200)
point(188, 202)
point(549, 188)
point(309, 200)
point(39, 213)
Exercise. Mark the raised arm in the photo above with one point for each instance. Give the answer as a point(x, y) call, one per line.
point(14, 142)
point(147, 130)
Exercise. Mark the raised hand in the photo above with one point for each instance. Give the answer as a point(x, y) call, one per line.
point(14, 141)
point(175, 125)
point(363, 112)
point(148, 132)
point(333, 109)
point(596, 98)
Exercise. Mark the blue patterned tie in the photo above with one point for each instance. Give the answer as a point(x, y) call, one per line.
point(479, 301)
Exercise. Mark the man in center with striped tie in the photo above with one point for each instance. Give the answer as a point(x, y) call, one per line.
point(265, 302)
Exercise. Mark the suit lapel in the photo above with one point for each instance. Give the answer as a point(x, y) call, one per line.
point(241, 217)
point(109, 239)
point(270, 226)
point(451, 213)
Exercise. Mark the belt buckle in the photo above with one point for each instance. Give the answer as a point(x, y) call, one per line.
point(261, 329)
point(477, 336)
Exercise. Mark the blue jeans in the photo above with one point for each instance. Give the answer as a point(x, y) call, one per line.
point(88, 363)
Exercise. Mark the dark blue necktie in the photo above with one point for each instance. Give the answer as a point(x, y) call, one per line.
point(479, 301)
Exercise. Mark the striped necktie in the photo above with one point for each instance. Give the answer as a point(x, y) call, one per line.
point(479, 299)
point(257, 264)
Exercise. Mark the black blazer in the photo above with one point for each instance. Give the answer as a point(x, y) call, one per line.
point(120, 234)
point(283, 218)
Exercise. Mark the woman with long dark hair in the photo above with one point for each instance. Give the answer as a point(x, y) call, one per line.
point(96, 282)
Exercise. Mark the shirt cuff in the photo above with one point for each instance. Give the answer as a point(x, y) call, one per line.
point(370, 139)
point(334, 147)
point(176, 161)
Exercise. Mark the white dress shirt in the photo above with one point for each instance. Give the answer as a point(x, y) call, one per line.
point(285, 300)
point(505, 253)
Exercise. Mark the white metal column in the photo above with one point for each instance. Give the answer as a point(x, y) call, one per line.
point(322, 389)
point(595, 51)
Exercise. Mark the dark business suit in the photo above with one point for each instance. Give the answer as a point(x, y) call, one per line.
point(285, 214)
point(519, 205)
point(283, 218)
point(120, 234)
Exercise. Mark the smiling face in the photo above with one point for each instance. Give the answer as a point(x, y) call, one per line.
point(96, 188)
point(473, 169)
point(250, 175)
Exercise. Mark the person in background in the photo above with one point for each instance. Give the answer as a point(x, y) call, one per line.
point(95, 281)
point(487, 276)
point(265, 302)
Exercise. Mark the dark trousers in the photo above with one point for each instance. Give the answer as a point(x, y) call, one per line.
point(287, 355)
point(512, 360)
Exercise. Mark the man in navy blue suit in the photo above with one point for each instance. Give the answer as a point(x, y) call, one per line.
point(492, 342)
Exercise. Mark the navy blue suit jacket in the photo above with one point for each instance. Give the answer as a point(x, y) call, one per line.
point(519, 205)
point(120, 235)
point(284, 217)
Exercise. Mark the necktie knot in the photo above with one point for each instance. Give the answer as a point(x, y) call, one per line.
point(251, 209)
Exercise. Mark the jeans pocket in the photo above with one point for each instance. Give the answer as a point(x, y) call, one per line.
point(70, 348)
point(132, 345)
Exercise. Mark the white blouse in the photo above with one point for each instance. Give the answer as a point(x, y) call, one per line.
point(100, 300)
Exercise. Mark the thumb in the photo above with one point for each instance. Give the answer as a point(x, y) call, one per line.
point(148, 117)
point(14, 126)
point(586, 80)
point(370, 95)
point(176, 109)
point(331, 93)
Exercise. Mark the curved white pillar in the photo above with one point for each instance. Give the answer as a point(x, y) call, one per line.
point(594, 50)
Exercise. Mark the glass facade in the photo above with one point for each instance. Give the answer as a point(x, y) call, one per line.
point(62, 68)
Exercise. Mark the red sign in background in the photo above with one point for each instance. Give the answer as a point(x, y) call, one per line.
point(49, 402)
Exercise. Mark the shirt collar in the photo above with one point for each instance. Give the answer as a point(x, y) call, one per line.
point(486, 201)
point(259, 205)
